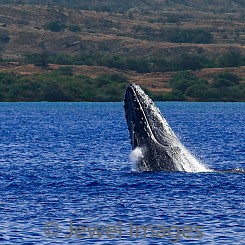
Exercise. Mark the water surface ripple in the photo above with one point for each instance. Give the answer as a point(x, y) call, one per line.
point(68, 163)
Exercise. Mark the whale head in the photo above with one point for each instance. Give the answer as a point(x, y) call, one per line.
point(150, 132)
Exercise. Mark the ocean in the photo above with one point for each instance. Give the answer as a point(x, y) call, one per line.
point(66, 177)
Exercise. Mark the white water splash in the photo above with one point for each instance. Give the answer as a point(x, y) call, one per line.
point(184, 161)
point(187, 162)
point(135, 156)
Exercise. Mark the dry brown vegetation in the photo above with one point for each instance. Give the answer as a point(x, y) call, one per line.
point(131, 33)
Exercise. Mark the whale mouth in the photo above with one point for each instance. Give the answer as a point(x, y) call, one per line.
point(144, 119)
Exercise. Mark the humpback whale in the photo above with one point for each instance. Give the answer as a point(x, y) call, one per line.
point(157, 147)
point(151, 134)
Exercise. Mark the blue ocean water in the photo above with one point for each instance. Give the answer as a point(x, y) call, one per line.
point(65, 166)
